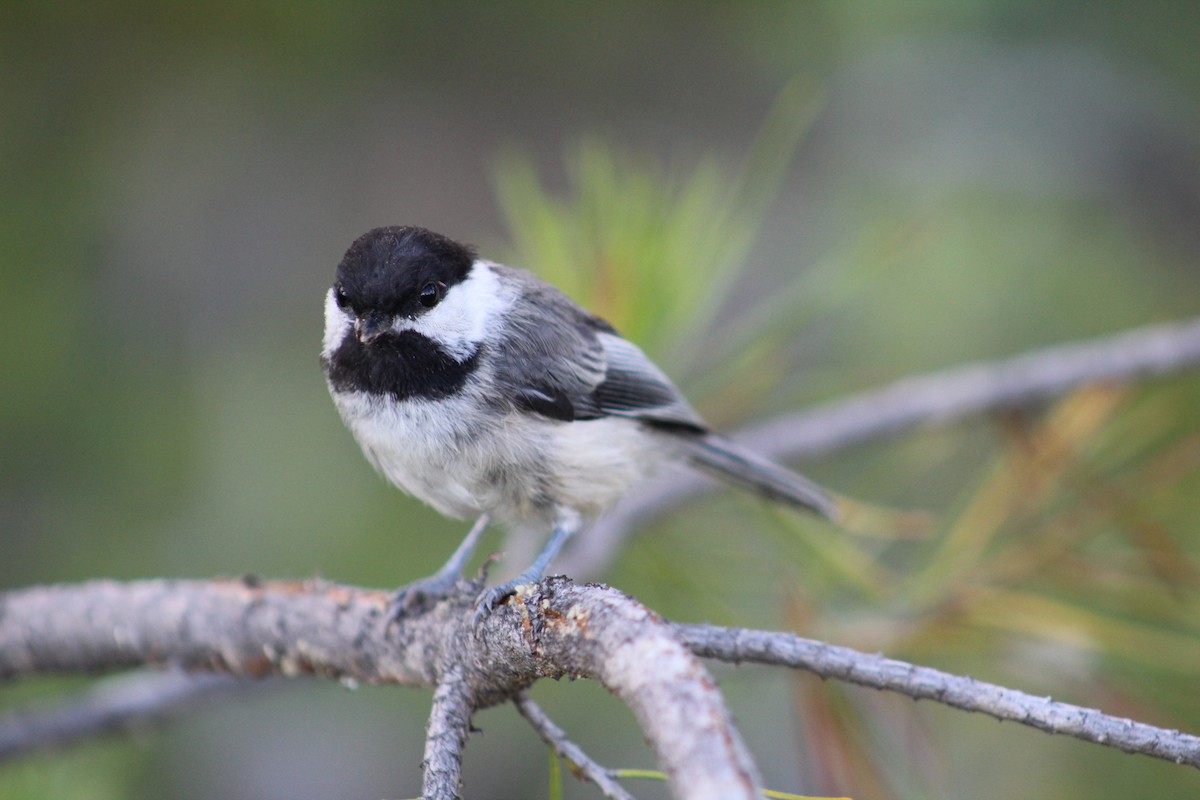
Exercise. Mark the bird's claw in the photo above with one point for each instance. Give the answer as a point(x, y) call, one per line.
point(422, 594)
point(491, 597)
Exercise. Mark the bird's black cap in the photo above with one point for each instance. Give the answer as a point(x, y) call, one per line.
point(386, 268)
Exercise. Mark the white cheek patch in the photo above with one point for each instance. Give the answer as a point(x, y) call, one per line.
point(337, 324)
point(462, 320)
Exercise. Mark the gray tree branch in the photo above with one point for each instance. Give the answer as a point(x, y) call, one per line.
point(251, 629)
point(937, 398)
point(923, 683)
point(558, 629)
point(121, 704)
point(446, 735)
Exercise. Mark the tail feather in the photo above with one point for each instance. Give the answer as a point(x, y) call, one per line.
point(725, 459)
point(729, 461)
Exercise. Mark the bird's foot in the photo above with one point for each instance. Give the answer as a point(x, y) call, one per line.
point(488, 599)
point(445, 583)
point(492, 596)
point(425, 593)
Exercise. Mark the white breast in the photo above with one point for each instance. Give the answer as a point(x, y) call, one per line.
point(523, 470)
point(424, 447)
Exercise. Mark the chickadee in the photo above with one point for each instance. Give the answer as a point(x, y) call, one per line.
point(486, 392)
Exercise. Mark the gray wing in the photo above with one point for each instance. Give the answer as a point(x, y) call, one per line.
point(559, 361)
point(634, 386)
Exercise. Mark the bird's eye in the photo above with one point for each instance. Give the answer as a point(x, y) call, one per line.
point(341, 298)
point(431, 293)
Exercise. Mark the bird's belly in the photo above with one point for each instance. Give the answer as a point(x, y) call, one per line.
point(599, 461)
point(521, 469)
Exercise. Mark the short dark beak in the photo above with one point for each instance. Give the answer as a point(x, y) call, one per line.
point(371, 327)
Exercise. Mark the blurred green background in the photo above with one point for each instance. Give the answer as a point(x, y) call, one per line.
point(783, 202)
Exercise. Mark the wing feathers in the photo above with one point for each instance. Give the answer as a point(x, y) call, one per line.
point(565, 364)
point(634, 386)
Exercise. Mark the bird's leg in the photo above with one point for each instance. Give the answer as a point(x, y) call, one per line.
point(442, 583)
point(564, 529)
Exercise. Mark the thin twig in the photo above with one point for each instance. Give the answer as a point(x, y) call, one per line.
point(936, 398)
point(122, 704)
point(581, 764)
point(924, 683)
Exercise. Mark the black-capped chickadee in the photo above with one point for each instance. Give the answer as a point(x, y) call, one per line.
point(484, 391)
